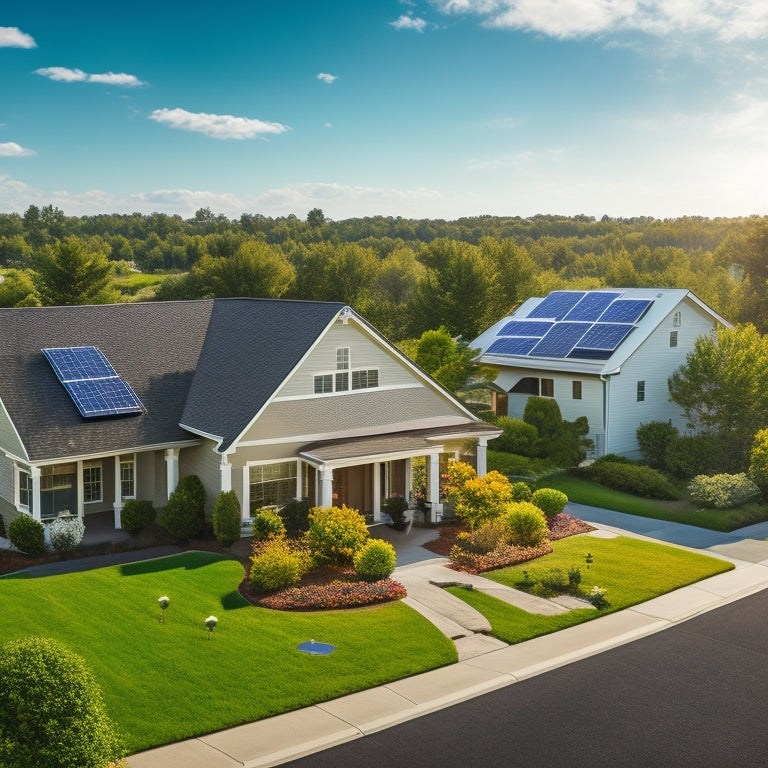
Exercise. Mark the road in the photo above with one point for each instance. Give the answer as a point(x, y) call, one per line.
point(692, 696)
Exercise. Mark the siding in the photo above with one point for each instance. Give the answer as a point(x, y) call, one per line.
point(201, 460)
point(6, 479)
point(8, 437)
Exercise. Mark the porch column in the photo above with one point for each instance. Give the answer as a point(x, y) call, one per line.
point(34, 473)
point(377, 490)
point(326, 487)
point(171, 469)
point(225, 472)
point(408, 479)
point(118, 503)
point(434, 487)
point(300, 470)
point(482, 456)
point(80, 502)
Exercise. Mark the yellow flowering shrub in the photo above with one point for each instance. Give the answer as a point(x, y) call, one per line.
point(335, 534)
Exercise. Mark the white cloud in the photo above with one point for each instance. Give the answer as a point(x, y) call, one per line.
point(67, 75)
point(216, 126)
point(326, 78)
point(12, 149)
point(13, 37)
point(406, 21)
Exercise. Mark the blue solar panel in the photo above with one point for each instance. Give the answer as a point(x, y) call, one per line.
point(592, 305)
point(605, 336)
point(535, 328)
point(512, 346)
point(557, 304)
point(92, 382)
point(560, 340)
point(625, 311)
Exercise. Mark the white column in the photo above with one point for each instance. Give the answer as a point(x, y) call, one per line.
point(300, 470)
point(118, 503)
point(225, 472)
point(326, 487)
point(34, 473)
point(435, 507)
point(171, 469)
point(408, 478)
point(80, 502)
point(482, 456)
point(377, 490)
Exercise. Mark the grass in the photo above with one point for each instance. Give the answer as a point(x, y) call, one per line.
point(632, 571)
point(166, 682)
point(582, 491)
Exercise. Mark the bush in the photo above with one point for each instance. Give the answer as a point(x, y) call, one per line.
point(53, 713)
point(267, 525)
point(335, 534)
point(490, 535)
point(66, 534)
point(526, 524)
point(2, 528)
point(512, 464)
point(277, 565)
point(184, 516)
point(518, 437)
point(550, 501)
point(614, 458)
point(395, 507)
point(564, 443)
point(654, 438)
point(375, 560)
point(521, 491)
point(295, 515)
point(722, 491)
point(758, 461)
point(698, 455)
point(632, 478)
point(27, 535)
point(136, 515)
point(227, 518)
point(478, 499)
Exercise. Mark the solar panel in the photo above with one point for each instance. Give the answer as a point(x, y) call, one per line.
point(92, 382)
point(592, 305)
point(625, 311)
point(557, 304)
point(512, 346)
point(536, 328)
point(560, 340)
point(605, 336)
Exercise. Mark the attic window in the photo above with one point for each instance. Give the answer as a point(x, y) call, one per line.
point(91, 382)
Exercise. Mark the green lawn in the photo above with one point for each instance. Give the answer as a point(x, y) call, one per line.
point(584, 492)
point(632, 571)
point(166, 682)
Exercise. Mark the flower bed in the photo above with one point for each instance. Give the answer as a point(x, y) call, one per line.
point(501, 557)
point(337, 594)
point(563, 525)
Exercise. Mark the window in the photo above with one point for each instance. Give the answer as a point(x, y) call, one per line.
point(640, 391)
point(342, 359)
point(365, 379)
point(576, 390)
point(673, 338)
point(127, 483)
point(342, 381)
point(272, 485)
point(25, 489)
point(323, 383)
point(677, 319)
point(57, 477)
point(91, 481)
point(529, 385)
point(547, 387)
point(344, 378)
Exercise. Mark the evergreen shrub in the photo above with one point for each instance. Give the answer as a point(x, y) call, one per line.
point(27, 535)
point(653, 439)
point(184, 516)
point(136, 515)
point(227, 518)
point(295, 515)
point(698, 455)
point(550, 501)
point(526, 524)
point(267, 524)
point(521, 491)
point(632, 478)
point(518, 437)
point(375, 560)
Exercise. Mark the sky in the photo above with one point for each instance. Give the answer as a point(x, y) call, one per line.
point(412, 108)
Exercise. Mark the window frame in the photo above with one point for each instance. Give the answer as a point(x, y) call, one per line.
point(25, 488)
point(677, 319)
point(547, 389)
point(673, 339)
point(641, 391)
point(92, 484)
point(576, 389)
point(344, 378)
point(124, 460)
point(253, 505)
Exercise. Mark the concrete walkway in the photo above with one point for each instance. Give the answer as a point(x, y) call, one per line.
point(296, 734)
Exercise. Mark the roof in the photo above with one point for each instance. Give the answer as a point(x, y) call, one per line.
point(551, 333)
point(208, 365)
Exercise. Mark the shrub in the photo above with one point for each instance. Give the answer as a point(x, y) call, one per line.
point(521, 491)
point(518, 437)
point(478, 499)
point(278, 564)
point(227, 518)
point(550, 501)
point(614, 458)
point(654, 438)
point(335, 533)
point(267, 525)
point(632, 478)
point(184, 516)
point(295, 515)
point(564, 443)
point(66, 534)
point(2, 528)
point(136, 515)
point(758, 461)
point(395, 507)
point(27, 535)
point(490, 535)
point(526, 523)
point(512, 464)
point(722, 491)
point(697, 455)
point(375, 560)
point(53, 713)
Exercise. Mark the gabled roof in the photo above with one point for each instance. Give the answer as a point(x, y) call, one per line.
point(543, 318)
point(209, 365)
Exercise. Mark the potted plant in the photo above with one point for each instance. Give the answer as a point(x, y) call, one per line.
point(395, 507)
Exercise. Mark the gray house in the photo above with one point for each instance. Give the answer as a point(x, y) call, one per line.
point(272, 399)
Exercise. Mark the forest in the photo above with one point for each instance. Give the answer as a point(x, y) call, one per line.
point(406, 276)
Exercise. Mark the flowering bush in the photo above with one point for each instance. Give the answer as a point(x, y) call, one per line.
point(550, 501)
point(596, 596)
point(526, 523)
point(277, 564)
point(477, 499)
point(501, 557)
point(66, 534)
point(375, 560)
point(722, 491)
point(335, 534)
point(338, 594)
point(27, 535)
point(267, 525)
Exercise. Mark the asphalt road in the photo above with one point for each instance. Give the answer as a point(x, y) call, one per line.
point(692, 696)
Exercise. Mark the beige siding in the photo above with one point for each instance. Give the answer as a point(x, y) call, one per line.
point(8, 437)
point(201, 460)
point(6, 479)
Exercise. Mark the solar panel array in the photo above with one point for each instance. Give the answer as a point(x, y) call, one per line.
point(587, 325)
point(92, 382)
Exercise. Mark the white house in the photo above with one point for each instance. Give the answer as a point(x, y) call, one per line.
point(605, 354)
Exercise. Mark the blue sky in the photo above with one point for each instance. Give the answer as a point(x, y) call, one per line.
point(429, 108)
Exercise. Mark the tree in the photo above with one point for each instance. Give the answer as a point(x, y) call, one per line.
point(316, 217)
point(70, 273)
point(17, 289)
point(721, 387)
point(53, 713)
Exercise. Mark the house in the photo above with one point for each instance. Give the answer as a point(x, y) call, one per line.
point(272, 399)
point(604, 354)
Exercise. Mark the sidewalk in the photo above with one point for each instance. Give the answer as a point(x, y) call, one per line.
point(302, 732)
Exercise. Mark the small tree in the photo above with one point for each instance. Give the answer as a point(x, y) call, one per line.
point(653, 439)
point(185, 514)
point(227, 518)
point(53, 713)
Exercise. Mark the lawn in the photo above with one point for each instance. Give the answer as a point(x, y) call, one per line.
point(632, 571)
point(582, 491)
point(166, 682)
